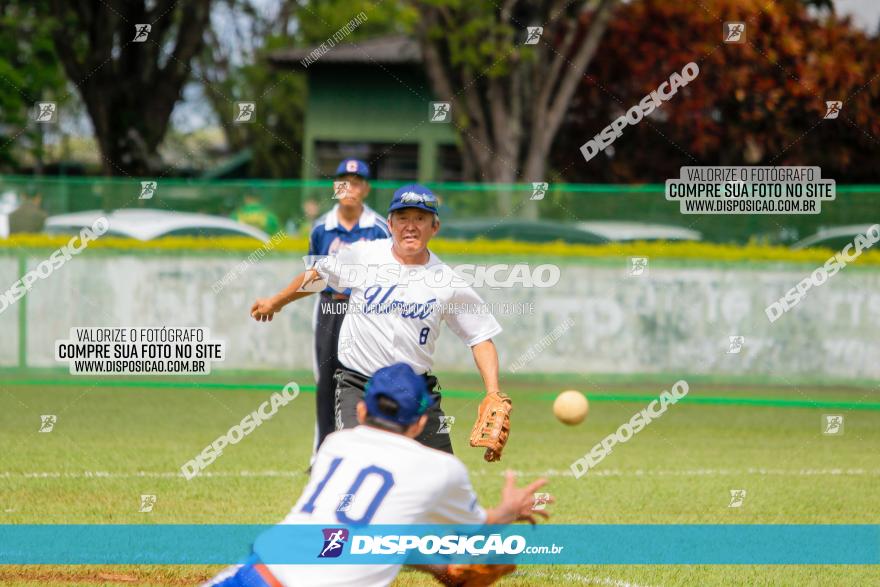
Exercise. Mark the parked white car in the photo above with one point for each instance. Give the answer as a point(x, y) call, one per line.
point(148, 224)
point(8, 203)
point(618, 231)
point(834, 237)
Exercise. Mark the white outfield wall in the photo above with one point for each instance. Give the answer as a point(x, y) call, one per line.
point(9, 330)
point(598, 319)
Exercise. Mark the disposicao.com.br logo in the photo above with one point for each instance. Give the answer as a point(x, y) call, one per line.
point(475, 545)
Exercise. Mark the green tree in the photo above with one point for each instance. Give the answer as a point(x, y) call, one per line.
point(29, 72)
point(761, 102)
point(129, 88)
point(508, 93)
point(233, 68)
point(319, 19)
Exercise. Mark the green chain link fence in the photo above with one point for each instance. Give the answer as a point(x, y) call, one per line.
point(569, 203)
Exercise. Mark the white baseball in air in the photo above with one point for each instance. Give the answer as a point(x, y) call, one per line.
point(571, 407)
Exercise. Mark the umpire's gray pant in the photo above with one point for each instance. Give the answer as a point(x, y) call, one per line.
point(350, 390)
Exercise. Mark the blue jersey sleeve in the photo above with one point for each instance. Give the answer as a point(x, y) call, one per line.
point(380, 231)
point(314, 239)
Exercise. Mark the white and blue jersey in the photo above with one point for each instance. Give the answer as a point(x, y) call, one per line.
point(364, 475)
point(395, 311)
point(329, 236)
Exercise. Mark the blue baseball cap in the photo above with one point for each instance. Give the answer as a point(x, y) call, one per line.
point(354, 166)
point(414, 196)
point(401, 384)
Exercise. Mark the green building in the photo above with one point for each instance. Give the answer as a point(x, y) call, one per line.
point(371, 100)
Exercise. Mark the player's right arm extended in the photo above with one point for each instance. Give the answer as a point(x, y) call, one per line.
point(517, 503)
point(265, 308)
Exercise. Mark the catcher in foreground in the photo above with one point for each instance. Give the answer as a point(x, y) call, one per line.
point(401, 295)
point(418, 486)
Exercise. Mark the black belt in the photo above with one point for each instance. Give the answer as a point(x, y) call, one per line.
point(333, 295)
point(430, 379)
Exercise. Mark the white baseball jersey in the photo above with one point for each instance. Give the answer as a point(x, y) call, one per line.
point(392, 319)
point(364, 475)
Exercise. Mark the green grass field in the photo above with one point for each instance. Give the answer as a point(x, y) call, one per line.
point(116, 439)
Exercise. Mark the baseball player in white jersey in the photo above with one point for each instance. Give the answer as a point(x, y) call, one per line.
point(400, 294)
point(381, 475)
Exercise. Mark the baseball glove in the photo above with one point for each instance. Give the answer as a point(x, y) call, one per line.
point(474, 575)
point(493, 425)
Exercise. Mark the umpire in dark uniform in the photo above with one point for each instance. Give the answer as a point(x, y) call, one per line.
point(350, 220)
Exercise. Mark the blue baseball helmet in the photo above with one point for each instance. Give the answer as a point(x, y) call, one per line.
point(401, 384)
point(353, 166)
point(414, 196)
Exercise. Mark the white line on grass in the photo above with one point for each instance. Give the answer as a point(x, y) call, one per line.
point(694, 472)
point(479, 473)
point(145, 474)
point(576, 578)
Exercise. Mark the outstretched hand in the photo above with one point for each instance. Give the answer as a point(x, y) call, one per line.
point(518, 503)
point(263, 310)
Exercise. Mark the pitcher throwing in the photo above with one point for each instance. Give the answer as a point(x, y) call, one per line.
point(400, 293)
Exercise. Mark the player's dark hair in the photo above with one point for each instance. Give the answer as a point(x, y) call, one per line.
point(387, 407)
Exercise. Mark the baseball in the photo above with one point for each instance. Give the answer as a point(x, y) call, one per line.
point(571, 407)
